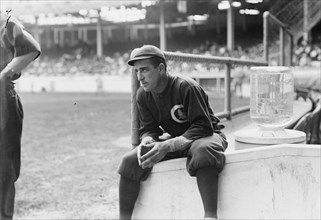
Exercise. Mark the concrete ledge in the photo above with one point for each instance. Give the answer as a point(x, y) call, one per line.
point(273, 182)
point(274, 151)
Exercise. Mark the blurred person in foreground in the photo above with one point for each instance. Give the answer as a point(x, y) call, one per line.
point(179, 107)
point(18, 49)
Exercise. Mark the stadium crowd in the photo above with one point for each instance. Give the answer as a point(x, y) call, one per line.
point(305, 54)
point(77, 63)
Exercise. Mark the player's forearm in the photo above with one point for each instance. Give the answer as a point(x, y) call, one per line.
point(177, 143)
point(17, 64)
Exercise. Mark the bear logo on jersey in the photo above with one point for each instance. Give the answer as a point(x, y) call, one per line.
point(178, 114)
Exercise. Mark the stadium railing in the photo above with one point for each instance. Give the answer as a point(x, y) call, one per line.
point(229, 63)
point(269, 21)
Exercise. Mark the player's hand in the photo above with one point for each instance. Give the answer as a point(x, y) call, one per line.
point(158, 152)
point(142, 148)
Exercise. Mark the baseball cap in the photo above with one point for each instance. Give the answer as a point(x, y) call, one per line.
point(145, 52)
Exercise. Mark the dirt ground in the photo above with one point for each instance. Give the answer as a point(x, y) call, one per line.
point(69, 155)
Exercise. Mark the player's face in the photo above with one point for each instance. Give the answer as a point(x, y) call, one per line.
point(148, 75)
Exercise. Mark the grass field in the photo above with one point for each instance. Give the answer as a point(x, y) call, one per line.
point(71, 148)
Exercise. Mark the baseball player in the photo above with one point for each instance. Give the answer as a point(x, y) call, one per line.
point(18, 49)
point(180, 107)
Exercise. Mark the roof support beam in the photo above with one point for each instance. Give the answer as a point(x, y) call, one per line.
point(162, 29)
point(230, 29)
point(99, 37)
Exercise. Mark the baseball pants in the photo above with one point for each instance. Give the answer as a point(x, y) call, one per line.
point(10, 147)
point(204, 152)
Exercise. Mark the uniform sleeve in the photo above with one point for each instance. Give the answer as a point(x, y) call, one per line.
point(148, 125)
point(22, 41)
point(195, 102)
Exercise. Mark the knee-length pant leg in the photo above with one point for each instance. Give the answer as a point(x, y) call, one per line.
point(10, 147)
point(206, 152)
point(130, 168)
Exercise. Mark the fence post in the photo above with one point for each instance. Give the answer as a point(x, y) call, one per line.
point(291, 50)
point(266, 36)
point(227, 85)
point(306, 34)
point(134, 112)
point(282, 46)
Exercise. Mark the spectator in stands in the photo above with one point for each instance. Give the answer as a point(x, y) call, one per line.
point(238, 80)
point(18, 49)
point(100, 86)
point(180, 107)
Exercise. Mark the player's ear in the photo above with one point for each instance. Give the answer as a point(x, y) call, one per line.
point(162, 67)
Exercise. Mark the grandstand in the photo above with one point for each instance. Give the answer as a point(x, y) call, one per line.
point(55, 25)
point(67, 30)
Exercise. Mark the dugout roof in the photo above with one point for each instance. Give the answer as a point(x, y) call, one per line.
point(36, 7)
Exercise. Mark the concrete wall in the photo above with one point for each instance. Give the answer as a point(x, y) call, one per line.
point(274, 182)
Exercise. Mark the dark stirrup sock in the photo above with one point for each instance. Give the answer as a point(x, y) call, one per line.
point(207, 181)
point(128, 193)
